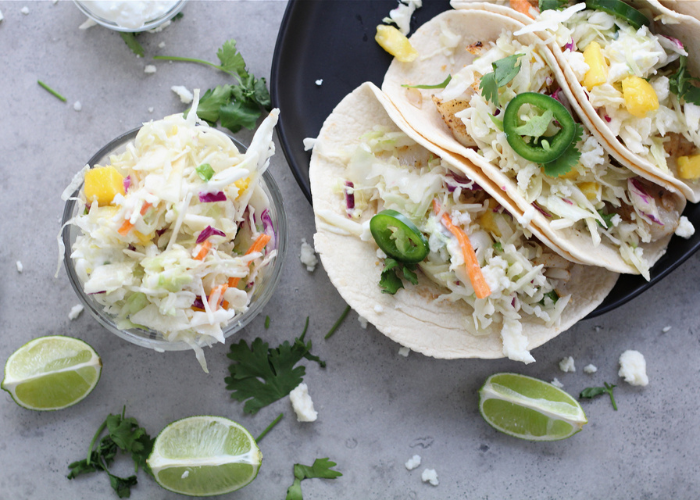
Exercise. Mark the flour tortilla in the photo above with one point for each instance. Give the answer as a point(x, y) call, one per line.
point(687, 7)
point(413, 317)
point(481, 25)
point(683, 27)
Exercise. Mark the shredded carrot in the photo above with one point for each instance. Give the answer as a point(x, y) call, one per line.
point(145, 208)
point(220, 290)
point(126, 227)
point(203, 251)
point(522, 6)
point(224, 304)
point(257, 246)
point(471, 263)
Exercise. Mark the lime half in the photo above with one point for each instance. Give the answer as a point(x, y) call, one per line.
point(528, 408)
point(51, 373)
point(204, 456)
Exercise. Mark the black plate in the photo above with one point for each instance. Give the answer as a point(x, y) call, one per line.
point(333, 40)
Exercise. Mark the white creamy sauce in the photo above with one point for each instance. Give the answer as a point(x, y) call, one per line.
point(129, 14)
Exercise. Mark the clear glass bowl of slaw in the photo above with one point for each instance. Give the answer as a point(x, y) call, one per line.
point(151, 339)
point(87, 8)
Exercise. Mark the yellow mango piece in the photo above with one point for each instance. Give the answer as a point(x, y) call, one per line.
point(597, 73)
point(144, 239)
point(395, 43)
point(103, 184)
point(689, 167)
point(590, 189)
point(242, 185)
point(571, 175)
point(640, 96)
point(488, 222)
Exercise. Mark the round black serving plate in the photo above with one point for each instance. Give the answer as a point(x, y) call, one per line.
point(333, 41)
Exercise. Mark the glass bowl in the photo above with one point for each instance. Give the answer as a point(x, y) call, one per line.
point(150, 338)
point(85, 8)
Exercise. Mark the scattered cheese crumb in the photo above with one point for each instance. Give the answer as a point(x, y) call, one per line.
point(1, 16)
point(363, 322)
point(185, 474)
point(302, 404)
point(89, 23)
point(666, 329)
point(381, 254)
point(20, 267)
point(307, 256)
point(430, 476)
point(685, 228)
point(403, 351)
point(590, 369)
point(77, 106)
point(182, 92)
point(527, 216)
point(567, 364)
point(75, 311)
point(25, 10)
point(309, 143)
point(319, 82)
point(378, 309)
point(401, 15)
point(161, 45)
point(556, 383)
point(150, 110)
point(160, 28)
point(633, 367)
point(150, 69)
point(413, 462)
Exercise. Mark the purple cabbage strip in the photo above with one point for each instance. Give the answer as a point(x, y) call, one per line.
point(558, 95)
point(207, 232)
point(571, 46)
point(540, 210)
point(349, 197)
point(463, 182)
point(268, 226)
point(198, 302)
point(643, 201)
point(567, 201)
point(212, 197)
point(678, 43)
point(127, 183)
point(607, 118)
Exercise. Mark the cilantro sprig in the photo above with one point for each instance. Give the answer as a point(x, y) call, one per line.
point(681, 83)
point(592, 392)
point(261, 375)
point(133, 44)
point(123, 434)
point(390, 281)
point(504, 70)
point(570, 157)
point(428, 87)
point(237, 105)
point(552, 4)
point(322, 468)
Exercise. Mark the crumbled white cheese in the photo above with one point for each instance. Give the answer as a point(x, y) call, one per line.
point(160, 28)
point(20, 267)
point(309, 143)
point(556, 383)
point(403, 351)
point(685, 228)
point(185, 474)
point(413, 462)
point(77, 106)
point(89, 23)
point(401, 15)
point(307, 256)
point(150, 69)
point(666, 329)
point(378, 309)
point(363, 322)
point(1, 16)
point(161, 45)
point(590, 369)
point(430, 476)
point(24, 10)
point(319, 82)
point(183, 93)
point(75, 311)
point(633, 368)
point(567, 364)
point(150, 110)
point(302, 404)
point(527, 216)
point(381, 254)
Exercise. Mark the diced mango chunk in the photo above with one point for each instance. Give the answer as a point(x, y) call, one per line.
point(591, 190)
point(597, 73)
point(640, 96)
point(103, 184)
point(395, 43)
point(571, 175)
point(242, 185)
point(144, 239)
point(689, 167)
point(488, 221)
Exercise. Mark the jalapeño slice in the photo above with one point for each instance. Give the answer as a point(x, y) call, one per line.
point(557, 143)
point(620, 10)
point(398, 237)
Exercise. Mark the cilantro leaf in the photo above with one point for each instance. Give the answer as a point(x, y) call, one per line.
point(680, 83)
point(122, 485)
point(133, 43)
point(211, 102)
point(552, 4)
point(498, 246)
point(536, 126)
point(553, 296)
point(592, 392)
point(504, 70)
point(389, 281)
point(570, 157)
point(497, 122)
point(231, 60)
point(261, 375)
point(238, 114)
point(607, 218)
point(427, 87)
point(322, 468)
point(409, 274)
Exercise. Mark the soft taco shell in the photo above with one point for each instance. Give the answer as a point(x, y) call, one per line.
point(482, 26)
point(413, 317)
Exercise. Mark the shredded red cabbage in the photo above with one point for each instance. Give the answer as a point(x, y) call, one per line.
point(540, 210)
point(212, 197)
point(207, 232)
point(127, 183)
point(349, 197)
point(568, 201)
point(559, 96)
point(643, 201)
point(462, 182)
point(198, 302)
point(608, 119)
point(570, 46)
point(268, 227)
point(676, 41)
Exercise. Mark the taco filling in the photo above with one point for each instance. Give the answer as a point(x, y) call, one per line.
point(522, 123)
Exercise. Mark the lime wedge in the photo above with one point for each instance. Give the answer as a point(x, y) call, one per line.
point(528, 408)
point(204, 456)
point(51, 373)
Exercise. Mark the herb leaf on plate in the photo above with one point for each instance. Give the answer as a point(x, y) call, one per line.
point(133, 43)
point(322, 468)
point(592, 392)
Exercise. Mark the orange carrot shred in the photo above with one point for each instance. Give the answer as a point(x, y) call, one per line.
point(145, 208)
point(203, 251)
point(471, 263)
point(126, 227)
point(219, 289)
point(257, 246)
point(225, 304)
point(523, 6)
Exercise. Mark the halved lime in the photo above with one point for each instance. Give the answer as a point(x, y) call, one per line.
point(51, 373)
point(204, 456)
point(528, 408)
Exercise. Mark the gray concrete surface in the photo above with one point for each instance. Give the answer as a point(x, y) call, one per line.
point(376, 409)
